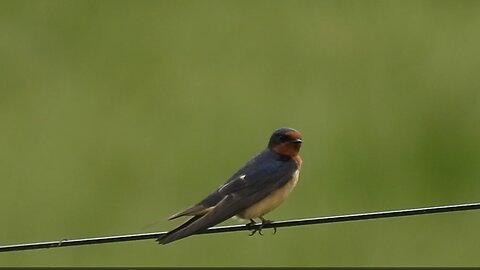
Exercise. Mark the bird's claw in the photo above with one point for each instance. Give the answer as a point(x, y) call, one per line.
point(255, 230)
point(260, 227)
point(250, 225)
point(266, 221)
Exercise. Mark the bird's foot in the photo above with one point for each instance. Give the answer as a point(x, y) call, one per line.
point(251, 227)
point(266, 221)
point(259, 228)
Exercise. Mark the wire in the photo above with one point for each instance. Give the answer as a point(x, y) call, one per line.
point(234, 228)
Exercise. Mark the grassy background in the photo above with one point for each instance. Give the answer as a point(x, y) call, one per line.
point(116, 114)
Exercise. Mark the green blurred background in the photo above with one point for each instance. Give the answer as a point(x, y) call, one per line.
point(116, 114)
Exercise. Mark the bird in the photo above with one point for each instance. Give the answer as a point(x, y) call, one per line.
point(257, 188)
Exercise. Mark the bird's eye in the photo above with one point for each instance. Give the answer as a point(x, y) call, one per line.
point(284, 137)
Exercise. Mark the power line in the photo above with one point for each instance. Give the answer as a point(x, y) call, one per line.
point(234, 228)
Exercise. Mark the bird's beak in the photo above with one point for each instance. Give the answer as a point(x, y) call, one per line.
point(297, 141)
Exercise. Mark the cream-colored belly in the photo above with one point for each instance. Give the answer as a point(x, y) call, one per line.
point(270, 202)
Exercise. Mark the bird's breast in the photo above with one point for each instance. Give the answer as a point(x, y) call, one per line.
point(272, 201)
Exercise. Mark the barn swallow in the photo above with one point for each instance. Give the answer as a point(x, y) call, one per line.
point(255, 189)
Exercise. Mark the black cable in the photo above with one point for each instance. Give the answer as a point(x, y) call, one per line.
point(234, 228)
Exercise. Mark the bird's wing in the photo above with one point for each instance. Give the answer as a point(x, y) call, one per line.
point(233, 183)
point(238, 195)
point(265, 176)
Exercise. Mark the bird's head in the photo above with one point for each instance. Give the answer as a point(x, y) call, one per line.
point(285, 141)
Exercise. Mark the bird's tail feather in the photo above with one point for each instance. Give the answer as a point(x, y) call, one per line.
point(222, 211)
point(174, 234)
